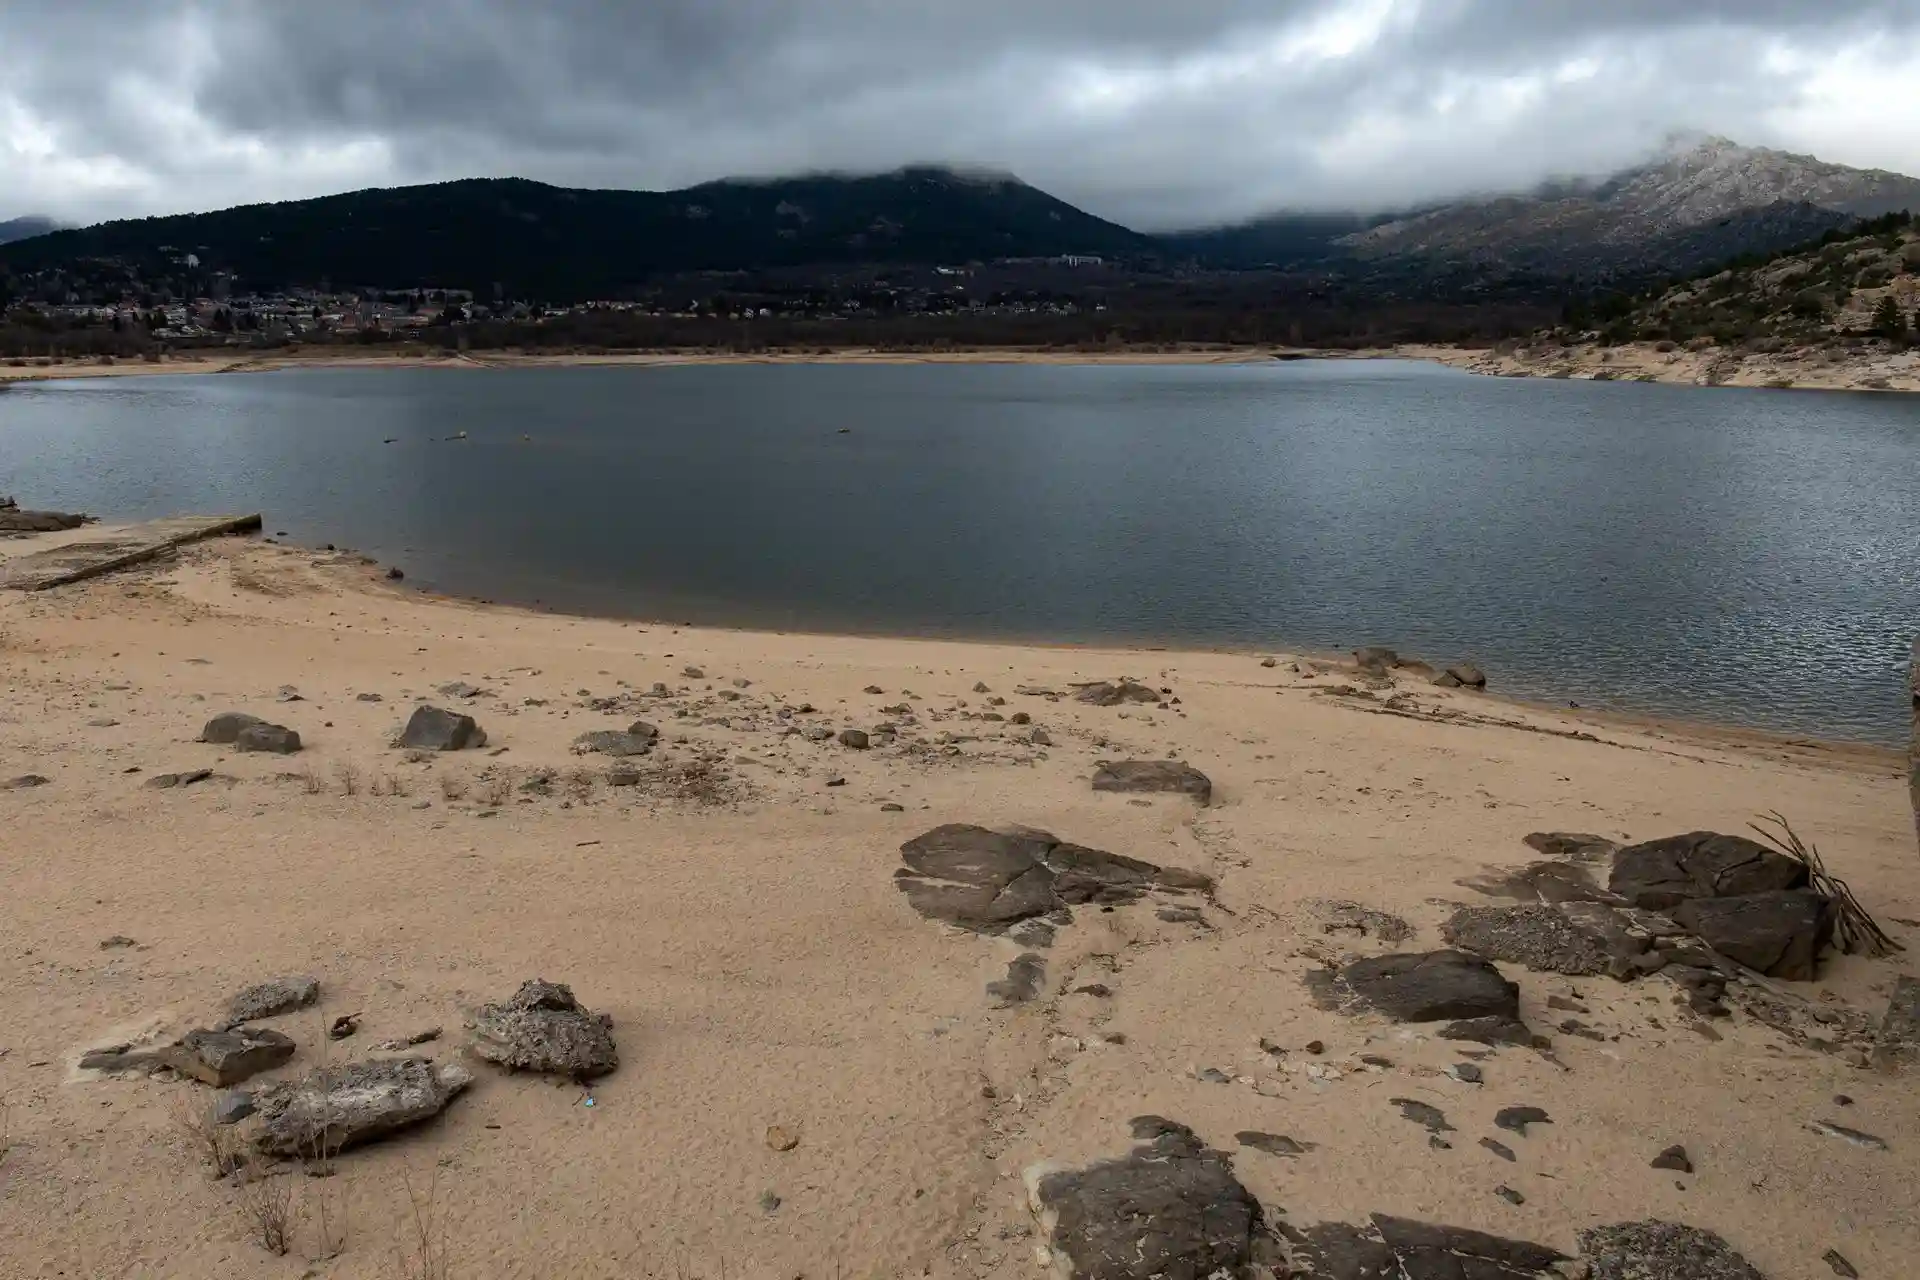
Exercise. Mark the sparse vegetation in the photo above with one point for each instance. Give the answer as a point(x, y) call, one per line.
point(213, 1143)
point(349, 778)
point(452, 787)
point(496, 786)
point(311, 782)
point(424, 1257)
point(266, 1207)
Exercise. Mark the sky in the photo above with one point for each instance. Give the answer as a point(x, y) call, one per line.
point(1155, 113)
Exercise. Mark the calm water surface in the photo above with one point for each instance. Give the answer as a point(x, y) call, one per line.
point(1745, 556)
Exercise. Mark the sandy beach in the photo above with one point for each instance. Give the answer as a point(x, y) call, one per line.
point(815, 1078)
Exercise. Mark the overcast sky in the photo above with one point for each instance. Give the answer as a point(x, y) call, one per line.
point(1152, 112)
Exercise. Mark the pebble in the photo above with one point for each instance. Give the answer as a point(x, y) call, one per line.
point(1466, 1073)
point(781, 1138)
point(1509, 1194)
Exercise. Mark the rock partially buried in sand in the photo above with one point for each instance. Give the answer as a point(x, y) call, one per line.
point(1661, 874)
point(25, 782)
point(226, 727)
point(1541, 938)
point(1462, 676)
point(1406, 1249)
point(1779, 934)
point(1424, 986)
point(1656, 1250)
point(613, 742)
point(432, 729)
point(984, 880)
point(340, 1107)
point(185, 778)
point(1103, 693)
point(1153, 776)
point(276, 738)
point(543, 1028)
point(225, 1058)
point(270, 999)
point(1170, 1208)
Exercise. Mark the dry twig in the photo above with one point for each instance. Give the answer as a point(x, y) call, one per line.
point(1853, 929)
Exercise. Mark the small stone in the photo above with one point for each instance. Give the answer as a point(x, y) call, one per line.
point(836, 782)
point(1040, 738)
point(186, 778)
point(1517, 1119)
point(1675, 1159)
point(368, 697)
point(1466, 1073)
point(233, 1107)
point(1098, 990)
point(1269, 662)
point(873, 689)
point(116, 941)
point(338, 1107)
point(1509, 1194)
point(432, 729)
point(623, 775)
point(1274, 1144)
point(980, 686)
point(270, 999)
point(1153, 776)
point(395, 573)
point(781, 1138)
point(25, 782)
point(1838, 1264)
point(1214, 1075)
point(274, 738)
point(1500, 1149)
point(1853, 1137)
point(225, 727)
point(891, 807)
point(1422, 1113)
point(769, 1201)
point(1019, 717)
point(854, 739)
point(693, 673)
point(1315, 1047)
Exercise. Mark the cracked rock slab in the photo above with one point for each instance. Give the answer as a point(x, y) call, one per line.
point(270, 999)
point(1424, 986)
point(1539, 937)
point(1655, 1250)
point(1661, 874)
point(340, 1107)
point(225, 1058)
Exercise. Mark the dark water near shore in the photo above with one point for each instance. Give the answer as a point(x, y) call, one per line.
point(1751, 557)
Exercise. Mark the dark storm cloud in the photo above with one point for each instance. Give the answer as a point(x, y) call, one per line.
point(1150, 111)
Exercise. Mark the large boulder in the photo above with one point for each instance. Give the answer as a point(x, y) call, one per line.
point(226, 727)
point(276, 738)
point(339, 1107)
point(1661, 874)
point(270, 999)
point(1153, 775)
point(1655, 1250)
point(1172, 1208)
point(225, 1058)
point(985, 880)
point(1422, 986)
point(1542, 938)
point(432, 729)
point(1779, 933)
point(541, 1027)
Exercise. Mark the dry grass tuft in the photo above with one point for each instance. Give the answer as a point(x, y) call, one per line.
point(214, 1143)
point(266, 1207)
point(349, 778)
point(452, 788)
point(496, 785)
point(425, 1255)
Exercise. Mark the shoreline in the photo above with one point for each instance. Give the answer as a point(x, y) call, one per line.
point(1810, 369)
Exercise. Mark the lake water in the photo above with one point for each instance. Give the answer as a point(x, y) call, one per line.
point(1751, 557)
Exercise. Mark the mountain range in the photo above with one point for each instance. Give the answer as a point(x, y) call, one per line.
point(1701, 202)
point(25, 228)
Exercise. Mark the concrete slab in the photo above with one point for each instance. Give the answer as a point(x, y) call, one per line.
point(39, 561)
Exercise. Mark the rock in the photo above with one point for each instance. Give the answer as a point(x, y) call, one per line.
point(1673, 1158)
point(623, 775)
point(854, 739)
point(1779, 933)
point(613, 742)
point(1500, 1149)
point(1852, 1137)
point(1375, 657)
point(1466, 1073)
point(224, 1058)
point(1656, 1250)
point(368, 697)
point(1661, 874)
point(985, 880)
point(1539, 937)
point(1494, 1030)
point(1516, 1119)
point(1463, 675)
point(1269, 662)
point(461, 689)
point(270, 999)
point(1509, 1194)
point(432, 729)
point(642, 729)
point(117, 941)
point(781, 1138)
point(24, 782)
point(1274, 1144)
point(1102, 693)
point(1838, 1264)
point(1040, 738)
point(341, 1106)
point(233, 1107)
point(1025, 973)
point(1576, 846)
point(185, 778)
point(225, 728)
point(1171, 1208)
point(1424, 1114)
point(1404, 1249)
point(1339, 916)
point(693, 673)
point(1426, 986)
point(1896, 1047)
point(275, 738)
point(403, 1043)
point(543, 1028)
point(892, 807)
point(395, 573)
point(1153, 775)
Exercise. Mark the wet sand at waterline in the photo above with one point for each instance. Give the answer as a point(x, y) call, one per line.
point(735, 914)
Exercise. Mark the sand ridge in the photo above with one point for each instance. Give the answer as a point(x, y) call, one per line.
point(735, 915)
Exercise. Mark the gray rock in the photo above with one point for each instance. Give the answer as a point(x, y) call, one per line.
point(1428, 1116)
point(368, 697)
point(1040, 738)
point(1172, 1208)
point(1779, 934)
point(338, 1107)
point(856, 739)
point(270, 999)
point(693, 673)
point(233, 1107)
point(1661, 874)
point(432, 729)
point(1838, 1264)
point(461, 689)
point(1153, 776)
point(1575, 846)
point(1896, 1047)
point(817, 733)
point(543, 1028)
point(224, 1058)
point(275, 738)
point(986, 880)
point(1404, 1249)
point(1339, 916)
point(613, 742)
point(24, 782)
point(1375, 657)
point(1274, 1144)
point(1462, 675)
point(1025, 973)
point(1500, 1149)
point(1495, 1029)
point(1103, 693)
point(1426, 986)
point(1674, 1159)
point(1656, 1250)
point(623, 775)
point(642, 729)
point(225, 728)
point(1516, 1119)
point(1539, 937)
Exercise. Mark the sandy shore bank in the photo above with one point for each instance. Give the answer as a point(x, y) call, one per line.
point(1808, 369)
point(734, 910)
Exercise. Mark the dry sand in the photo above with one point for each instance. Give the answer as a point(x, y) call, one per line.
point(761, 969)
